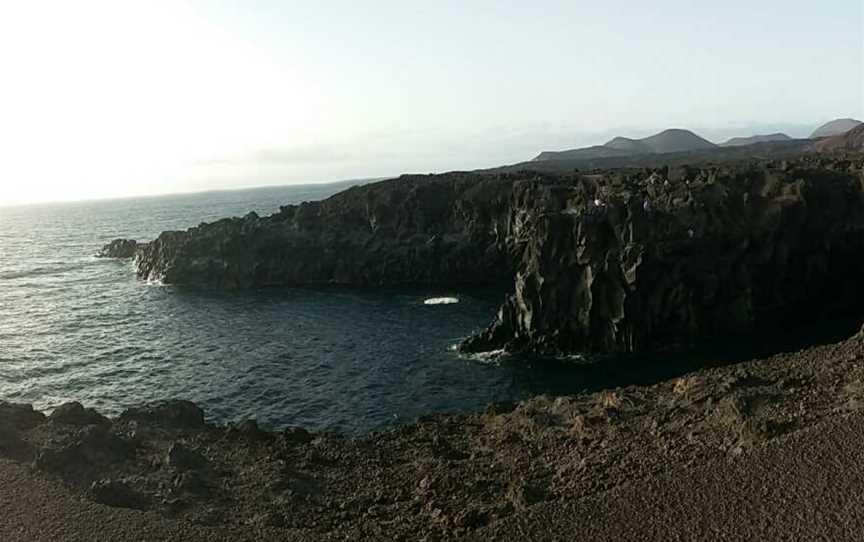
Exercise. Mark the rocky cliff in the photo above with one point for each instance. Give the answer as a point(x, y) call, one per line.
point(611, 261)
point(643, 262)
point(412, 230)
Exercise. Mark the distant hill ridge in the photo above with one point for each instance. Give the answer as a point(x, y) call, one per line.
point(671, 140)
point(678, 140)
point(752, 140)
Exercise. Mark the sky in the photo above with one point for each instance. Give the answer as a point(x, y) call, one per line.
point(120, 98)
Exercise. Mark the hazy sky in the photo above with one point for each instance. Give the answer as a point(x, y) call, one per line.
point(117, 98)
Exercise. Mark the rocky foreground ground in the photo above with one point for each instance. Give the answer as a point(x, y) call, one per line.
point(443, 477)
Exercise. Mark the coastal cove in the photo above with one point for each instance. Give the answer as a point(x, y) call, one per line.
point(82, 328)
point(351, 361)
point(348, 360)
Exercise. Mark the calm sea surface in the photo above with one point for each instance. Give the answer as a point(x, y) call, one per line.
point(74, 327)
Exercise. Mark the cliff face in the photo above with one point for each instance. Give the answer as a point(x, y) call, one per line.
point(616, 261)
point(665, 262)
point(412, 230)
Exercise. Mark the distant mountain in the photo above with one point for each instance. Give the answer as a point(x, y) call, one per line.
point(752, 140)
point(587, 153)
point(630, 146)
point(676, 140)
point(835, 127)
point(672, 140)
point(853, 140)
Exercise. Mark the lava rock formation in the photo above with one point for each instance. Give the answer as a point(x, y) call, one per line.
point(608, 261)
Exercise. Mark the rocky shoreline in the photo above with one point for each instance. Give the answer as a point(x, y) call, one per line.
point(625, 260)
point(443, 477)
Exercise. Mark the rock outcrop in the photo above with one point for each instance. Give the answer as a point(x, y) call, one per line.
point(612, 261)
point(119, 248)
point(412, 230)
point(674, 258)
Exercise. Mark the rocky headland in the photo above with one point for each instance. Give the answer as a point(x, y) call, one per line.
point(621, 260)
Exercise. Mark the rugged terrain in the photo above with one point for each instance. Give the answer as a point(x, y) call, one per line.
point(412, 230)
point(643, 262)
point(622, 260)
point(448, 476)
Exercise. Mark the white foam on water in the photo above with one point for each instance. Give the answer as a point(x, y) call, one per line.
point(441, 301)
point(154, 282)
point(491, 357)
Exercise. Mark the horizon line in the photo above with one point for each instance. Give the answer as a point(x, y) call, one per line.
point(189, 192)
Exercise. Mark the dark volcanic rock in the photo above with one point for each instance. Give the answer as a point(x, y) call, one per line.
point(85, 451)
point(411, 230)
point(175, 414)
point(119, 248)
point(20, 416)
point(608, 261)
point(182, 458)
point(11, 443)
point(659, 264)
point(75, 414)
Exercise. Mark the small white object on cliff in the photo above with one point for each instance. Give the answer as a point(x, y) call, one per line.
point(441, 301)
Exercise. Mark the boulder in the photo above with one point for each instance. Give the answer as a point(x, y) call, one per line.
point(84, 451)
point(21, 417)
point(74, 413)
point(174, 414)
